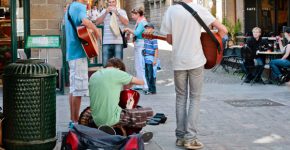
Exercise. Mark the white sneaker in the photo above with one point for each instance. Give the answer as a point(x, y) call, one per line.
point(195, 144)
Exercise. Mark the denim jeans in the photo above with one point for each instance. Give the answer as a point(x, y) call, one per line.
point(110, 51)
point(277, 64)
point(149, 74)
point(188, 83)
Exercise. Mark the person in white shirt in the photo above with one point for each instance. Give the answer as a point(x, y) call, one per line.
point(112, 45)
point(94, 14)
point(183, 32)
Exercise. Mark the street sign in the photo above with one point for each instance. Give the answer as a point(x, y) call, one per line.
point(43, 41)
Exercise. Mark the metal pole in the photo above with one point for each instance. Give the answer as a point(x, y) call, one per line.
point(13, 30)
point(26, 9)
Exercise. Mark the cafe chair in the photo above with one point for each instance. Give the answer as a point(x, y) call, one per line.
point(250, 70)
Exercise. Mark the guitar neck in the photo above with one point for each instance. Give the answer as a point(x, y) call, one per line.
point(151, 36)
point(160, 37)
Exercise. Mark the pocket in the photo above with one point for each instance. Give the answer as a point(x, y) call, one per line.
point(78, 83)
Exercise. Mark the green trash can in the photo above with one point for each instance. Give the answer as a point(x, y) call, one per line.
point(29, 105)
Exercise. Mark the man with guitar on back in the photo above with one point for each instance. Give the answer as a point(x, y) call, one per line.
point(184, 32)
point(78, 65)
point(112, 44)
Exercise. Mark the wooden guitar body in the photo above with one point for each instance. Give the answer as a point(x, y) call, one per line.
point(89, 41)
point(210, 50)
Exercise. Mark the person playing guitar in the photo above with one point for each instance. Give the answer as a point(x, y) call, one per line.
point(75, 55)
point(184, 32)
point(105, 88)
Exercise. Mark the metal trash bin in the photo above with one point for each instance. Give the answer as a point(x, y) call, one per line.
point(29, 105)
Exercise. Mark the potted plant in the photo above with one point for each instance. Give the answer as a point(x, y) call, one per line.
point(233, 30)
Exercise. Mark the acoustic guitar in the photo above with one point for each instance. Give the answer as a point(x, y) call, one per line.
point(210, 49)
point(89, 41)
point(129, 99)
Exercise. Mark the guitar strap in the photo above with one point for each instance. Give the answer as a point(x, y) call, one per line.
point(201, 22)
point(70, 20)
point(74, 26)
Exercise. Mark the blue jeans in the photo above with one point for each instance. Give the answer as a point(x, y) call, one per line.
point(110, 51)
point(277, 64)
point(186, 119)
point(149, 74)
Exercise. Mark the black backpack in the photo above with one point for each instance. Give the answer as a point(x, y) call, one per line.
point(82, 137)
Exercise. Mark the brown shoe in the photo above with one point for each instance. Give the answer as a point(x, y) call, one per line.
point(195, 144)
point(180, 142)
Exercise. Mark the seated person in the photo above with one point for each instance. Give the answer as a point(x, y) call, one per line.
point(104, 88)
point(284, 62)
point(255, 43)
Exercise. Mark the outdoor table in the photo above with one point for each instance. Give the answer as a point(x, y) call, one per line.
point(270, 55)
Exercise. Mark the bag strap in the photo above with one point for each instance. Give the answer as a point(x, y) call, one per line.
point(201, 22)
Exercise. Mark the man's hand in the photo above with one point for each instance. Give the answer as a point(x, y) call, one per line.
point(154, 62)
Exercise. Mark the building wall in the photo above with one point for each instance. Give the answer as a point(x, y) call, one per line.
point(154, 9)
point(46, 16)
point(46, 19)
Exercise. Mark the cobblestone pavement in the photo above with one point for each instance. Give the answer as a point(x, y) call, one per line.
point(221, 125)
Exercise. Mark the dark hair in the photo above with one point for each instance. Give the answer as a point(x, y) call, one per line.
point(116, 63)
point(139, 10)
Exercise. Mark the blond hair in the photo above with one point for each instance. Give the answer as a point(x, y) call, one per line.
point(257, 29)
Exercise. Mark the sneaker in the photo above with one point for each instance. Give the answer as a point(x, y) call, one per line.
point(282, 79)
point(180, 142)
point(148, 93)
point(195, 144)
point(146, 136)
point(71, 124)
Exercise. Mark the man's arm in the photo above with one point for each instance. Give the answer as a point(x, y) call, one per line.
point(222, 30)
point(286, 55)
point(101, 19)
point(86, 22)
point(123, 19)
point(134, 81)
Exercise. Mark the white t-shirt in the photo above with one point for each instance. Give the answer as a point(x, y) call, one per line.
point(109, 37)
point(94, 14)
point(186, 32)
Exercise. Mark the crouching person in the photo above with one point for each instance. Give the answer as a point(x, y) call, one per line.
point(105, 86)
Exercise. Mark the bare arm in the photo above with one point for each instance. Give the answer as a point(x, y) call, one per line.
point(155, 56)
point(222, 30)
point(134, 81)
point(101, 19)
point(281, 47)
point(123, 20)
point(286, 53)
point(86, 22)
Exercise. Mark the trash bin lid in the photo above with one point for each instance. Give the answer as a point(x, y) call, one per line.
point(29, 68)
